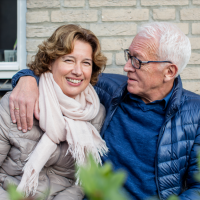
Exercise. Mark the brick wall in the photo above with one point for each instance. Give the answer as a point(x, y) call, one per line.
point(115, 22)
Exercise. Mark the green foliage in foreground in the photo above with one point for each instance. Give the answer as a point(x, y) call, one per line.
point(14, 194)
point(197, 176)
point(101, 183)
point(173, 197)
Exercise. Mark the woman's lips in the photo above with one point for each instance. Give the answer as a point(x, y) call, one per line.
point(74, 82)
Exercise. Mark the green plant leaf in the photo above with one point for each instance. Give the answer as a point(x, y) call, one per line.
point(13, 193)
point(173, 197)
point(101, 183)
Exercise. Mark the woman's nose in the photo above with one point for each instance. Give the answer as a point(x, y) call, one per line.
point(77, 69)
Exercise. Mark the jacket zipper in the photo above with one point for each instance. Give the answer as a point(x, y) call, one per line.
point(156, 159)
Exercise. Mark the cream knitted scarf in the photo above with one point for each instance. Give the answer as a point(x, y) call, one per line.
point(63, 119)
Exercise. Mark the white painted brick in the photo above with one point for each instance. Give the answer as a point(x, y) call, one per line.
point(43, 3)
point(191, 73)
point(115, 43)
point(120, 60)
point(37, 17)
point(109, 29)
point(32, 45)
point(116, 70)
point(74, 15)
point(190, 14)
point(195, 59)
point(125, 14)
point(164, 14)
point(40, 31)
point(164, 2)
point(195, 28)
point(74, 3)
point(30, 57)
point(192, 86)
point(109, 57)
point(196, 2)
point(100, 3)
point(195, 43)
point(184, 27)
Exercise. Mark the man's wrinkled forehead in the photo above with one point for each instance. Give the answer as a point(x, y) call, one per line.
point(141, 44)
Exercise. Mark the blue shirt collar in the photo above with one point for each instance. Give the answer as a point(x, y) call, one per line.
point(165, 99)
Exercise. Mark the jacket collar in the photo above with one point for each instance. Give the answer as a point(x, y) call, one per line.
point(175, 100)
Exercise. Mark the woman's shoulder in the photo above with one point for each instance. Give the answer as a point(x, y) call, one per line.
point(4, 103)
point(34, 134)
point(98, 121)
point(4, 108)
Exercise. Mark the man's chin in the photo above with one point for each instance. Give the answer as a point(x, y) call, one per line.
point(132, 90)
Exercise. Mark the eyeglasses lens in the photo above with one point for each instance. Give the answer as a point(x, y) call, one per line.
point(126, 55)
point(135, 62)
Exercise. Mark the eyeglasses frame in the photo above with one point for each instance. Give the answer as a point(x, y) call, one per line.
point(141, 62)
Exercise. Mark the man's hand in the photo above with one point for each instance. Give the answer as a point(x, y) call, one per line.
point(24, 102)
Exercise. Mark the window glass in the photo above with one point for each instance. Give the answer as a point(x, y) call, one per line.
point(8, 30)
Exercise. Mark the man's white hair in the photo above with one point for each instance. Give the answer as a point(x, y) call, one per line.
point(174, 45)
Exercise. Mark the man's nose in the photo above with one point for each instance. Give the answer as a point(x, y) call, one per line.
point(77, 69)
point(128, 66)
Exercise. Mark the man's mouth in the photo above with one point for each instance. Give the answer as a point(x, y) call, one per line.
point(131, 79)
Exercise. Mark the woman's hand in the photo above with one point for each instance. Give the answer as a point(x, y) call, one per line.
point(24, 102)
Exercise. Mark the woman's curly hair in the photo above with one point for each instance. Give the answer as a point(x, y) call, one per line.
point(61, 43)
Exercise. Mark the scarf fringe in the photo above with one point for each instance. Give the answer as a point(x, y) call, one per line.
point(35, 162)
point(29, 182)
point(78, 153)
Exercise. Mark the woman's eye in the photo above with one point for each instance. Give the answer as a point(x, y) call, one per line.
point(87, 63)
point(69, 60)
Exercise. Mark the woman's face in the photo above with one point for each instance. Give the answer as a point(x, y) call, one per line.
point(72, 72)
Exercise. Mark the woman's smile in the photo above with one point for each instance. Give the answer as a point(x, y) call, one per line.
point(74, 82)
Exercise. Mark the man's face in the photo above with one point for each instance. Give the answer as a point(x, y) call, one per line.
point(147, 80)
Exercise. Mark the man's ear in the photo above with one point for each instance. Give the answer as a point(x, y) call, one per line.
point(170, 72)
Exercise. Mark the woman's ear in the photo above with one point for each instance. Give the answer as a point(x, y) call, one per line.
point(170, 72)
point(50, 66)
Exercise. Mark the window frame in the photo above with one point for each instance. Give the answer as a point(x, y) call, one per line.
point(8, 69)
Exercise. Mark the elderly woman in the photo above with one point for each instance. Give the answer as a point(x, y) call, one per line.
point(43, 159)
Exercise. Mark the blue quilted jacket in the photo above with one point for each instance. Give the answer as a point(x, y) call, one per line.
point(179, 137)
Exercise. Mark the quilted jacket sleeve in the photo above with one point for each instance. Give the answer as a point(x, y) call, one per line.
point(193, 191)
point(107, 86)
point(23, 72)
point(4, 141)
point(4, 128)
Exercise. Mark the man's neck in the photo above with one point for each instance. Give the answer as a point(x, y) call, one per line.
point(159, 93)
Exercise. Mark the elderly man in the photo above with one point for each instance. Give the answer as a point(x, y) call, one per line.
point(152, 128)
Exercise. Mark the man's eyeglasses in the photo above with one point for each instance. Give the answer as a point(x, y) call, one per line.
point(136, 63)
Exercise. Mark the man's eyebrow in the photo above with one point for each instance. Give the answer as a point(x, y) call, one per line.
point(135, 54)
